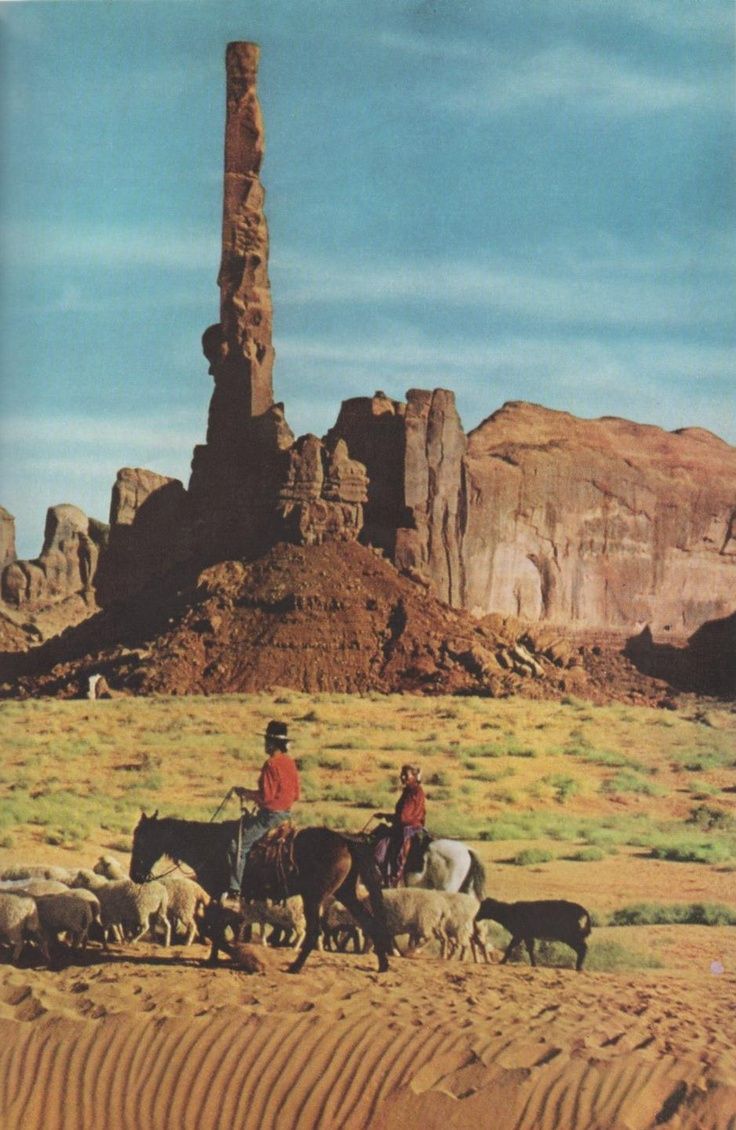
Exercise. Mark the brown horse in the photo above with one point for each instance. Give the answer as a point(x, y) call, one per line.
point(326, 863)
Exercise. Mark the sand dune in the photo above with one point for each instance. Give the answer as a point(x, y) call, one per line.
point(149, 1040)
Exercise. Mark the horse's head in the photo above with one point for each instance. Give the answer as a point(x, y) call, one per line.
point(146, 847)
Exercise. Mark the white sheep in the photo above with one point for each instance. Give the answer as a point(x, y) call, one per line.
point(70, 913)
point(414, 911)
point(186, 902)
point(135, 907)
point(457, 928)
point(19, 922)
point(186, 898)
point(36, 871)
point(34, 887)
point(287, 916)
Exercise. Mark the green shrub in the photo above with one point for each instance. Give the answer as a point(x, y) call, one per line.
point(564, 787)
point(587, 855)
point(531, 856)
point(667, 914)
point(627, 782)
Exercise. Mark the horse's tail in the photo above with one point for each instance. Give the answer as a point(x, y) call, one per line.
point(475, 880)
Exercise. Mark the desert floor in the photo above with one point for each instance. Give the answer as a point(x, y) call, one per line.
point(148, 1038)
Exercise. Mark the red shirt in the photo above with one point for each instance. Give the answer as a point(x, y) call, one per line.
point(411, 807)
point(278, 784)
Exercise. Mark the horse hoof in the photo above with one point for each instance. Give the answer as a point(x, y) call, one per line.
point(295, 967)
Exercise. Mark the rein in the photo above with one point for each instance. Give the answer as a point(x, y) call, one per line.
point(177, 864)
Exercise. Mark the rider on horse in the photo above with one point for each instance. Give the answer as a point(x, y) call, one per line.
point(278, 789)
point(407, 820)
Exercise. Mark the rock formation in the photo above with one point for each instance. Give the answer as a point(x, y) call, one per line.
point(598, 523)
point(62, 575)
point(7, 537)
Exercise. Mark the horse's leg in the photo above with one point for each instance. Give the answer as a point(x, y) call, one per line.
point(311, 914)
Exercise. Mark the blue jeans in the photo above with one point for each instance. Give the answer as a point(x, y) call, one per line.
point(252, 828)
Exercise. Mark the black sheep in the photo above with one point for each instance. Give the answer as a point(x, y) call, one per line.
point(551, 919)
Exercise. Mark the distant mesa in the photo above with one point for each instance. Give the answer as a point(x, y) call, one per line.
point(576, 525)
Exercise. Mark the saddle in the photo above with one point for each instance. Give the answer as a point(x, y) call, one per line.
point(270, 868)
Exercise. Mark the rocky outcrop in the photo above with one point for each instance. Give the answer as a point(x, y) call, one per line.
point(413, 453)
point(598, 523)
point(149, 533)
point(65, 570)
point(7, 538)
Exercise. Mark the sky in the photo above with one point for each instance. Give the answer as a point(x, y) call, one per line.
point(526, 201)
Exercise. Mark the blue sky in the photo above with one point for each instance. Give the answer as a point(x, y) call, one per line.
point(526, 201)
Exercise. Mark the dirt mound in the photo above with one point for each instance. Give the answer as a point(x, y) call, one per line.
point(319, 618)
point(333, 618)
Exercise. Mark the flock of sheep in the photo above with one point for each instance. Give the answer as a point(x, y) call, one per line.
point(47, 905)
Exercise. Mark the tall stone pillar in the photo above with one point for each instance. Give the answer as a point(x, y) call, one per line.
point(239, 348)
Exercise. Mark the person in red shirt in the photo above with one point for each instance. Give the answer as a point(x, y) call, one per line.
point(278, 790)
point(407, 820)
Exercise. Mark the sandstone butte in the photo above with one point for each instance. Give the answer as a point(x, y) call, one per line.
point(536, 528)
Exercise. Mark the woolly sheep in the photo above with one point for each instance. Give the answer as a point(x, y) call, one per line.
point(287, 916)
point(414, 911)
point(34, 887)
point(136, 906)
point(186, 902)
point(67, 914)
point(19, 921)
point(551, 919)
point(457, 927)
point(339, 928)
point(36, 871)
point(186, 897)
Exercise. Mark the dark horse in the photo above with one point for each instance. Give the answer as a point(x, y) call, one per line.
point(326, 863)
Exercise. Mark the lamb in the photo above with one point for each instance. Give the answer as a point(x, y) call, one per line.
point(68, 914)
point(136, 906)
point(550, 919)
point(19, 921)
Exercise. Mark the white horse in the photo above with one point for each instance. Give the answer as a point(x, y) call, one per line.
point(446, 865)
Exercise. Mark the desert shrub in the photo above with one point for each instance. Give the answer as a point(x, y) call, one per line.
point(628, 782)
point(604, 956)
point(332, 764)
point(531, 856)
point(708, 817)
point(587, 855)
point(514, 750)
point(440, 778)
point(688, 852)
point(564, 787)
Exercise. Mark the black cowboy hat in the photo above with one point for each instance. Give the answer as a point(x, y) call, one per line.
point(279, 731)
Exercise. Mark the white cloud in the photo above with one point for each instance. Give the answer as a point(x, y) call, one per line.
point(573, 75)
point(38, 244)
point(569, 289)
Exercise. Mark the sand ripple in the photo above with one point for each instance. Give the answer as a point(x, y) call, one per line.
point(175, 1046)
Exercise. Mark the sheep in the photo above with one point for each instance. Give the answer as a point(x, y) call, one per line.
point(186, 897)
point(218, 920)
point(36, 871)
point(550, 919)
point(339, 927)
point(19, 921)
point(287, 916)
point(137, 906)
point(34, 887)
point(456, 930)
point(71, 914)
point(186, 902)
point(414, 911)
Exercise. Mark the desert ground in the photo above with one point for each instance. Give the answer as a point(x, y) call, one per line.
point(626, 810)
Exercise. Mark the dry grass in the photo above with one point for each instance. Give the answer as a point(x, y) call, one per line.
point(557, 779)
